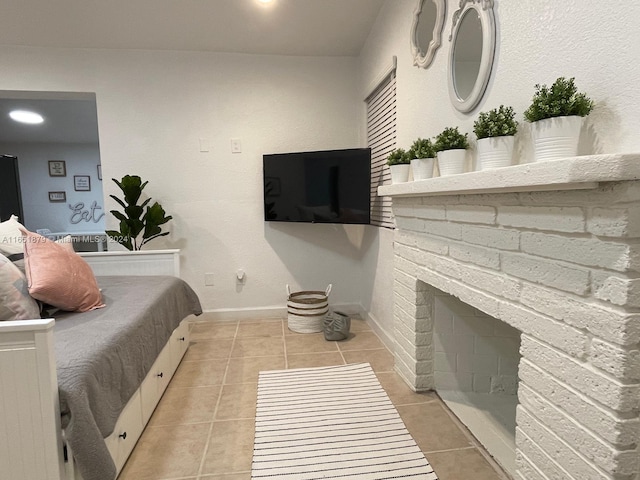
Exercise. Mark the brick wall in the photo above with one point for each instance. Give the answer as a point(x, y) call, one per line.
point(563, 268)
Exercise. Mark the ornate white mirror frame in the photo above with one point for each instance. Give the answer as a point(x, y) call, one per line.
point(484, 11)
point(423, 54)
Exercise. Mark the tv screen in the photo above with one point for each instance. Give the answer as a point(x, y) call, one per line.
point(332, 186)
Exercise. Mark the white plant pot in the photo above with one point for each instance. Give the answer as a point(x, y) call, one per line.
point(556, 137)
point(422, 168)
point(400, 172)
point(451, 162)
point(495, 152)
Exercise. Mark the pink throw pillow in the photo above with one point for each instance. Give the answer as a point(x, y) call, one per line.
point(58, 276)
point(66, 242)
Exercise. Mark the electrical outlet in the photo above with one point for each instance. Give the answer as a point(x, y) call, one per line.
point(208, 279)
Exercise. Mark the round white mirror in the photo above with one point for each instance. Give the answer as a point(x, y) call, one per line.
point(426, 32)
point(473, 40)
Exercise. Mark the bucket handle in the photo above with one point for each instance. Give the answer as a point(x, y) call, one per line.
point(327, 291)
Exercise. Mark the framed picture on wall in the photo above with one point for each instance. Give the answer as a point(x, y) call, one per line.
point(57, 168)
point(57, 196)
point(82, 183)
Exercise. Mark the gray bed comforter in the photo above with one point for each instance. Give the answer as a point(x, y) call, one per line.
point(102, 357)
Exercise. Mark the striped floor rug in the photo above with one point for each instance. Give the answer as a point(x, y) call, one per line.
point(331, 423)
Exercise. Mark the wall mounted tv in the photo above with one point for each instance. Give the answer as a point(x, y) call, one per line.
point(332, 186)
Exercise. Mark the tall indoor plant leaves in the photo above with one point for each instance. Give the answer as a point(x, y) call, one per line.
point(134, 221)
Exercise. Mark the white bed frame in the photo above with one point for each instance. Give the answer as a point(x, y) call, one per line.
point(31, 439)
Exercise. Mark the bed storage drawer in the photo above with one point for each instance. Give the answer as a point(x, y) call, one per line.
point(155, 383)
point(126, 432)
point(179, 343)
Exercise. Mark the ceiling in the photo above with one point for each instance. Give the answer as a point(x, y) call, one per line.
point(284, 27)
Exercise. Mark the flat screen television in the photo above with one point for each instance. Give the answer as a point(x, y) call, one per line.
point(331, 186)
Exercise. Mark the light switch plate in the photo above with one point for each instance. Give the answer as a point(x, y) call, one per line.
point(236, 145)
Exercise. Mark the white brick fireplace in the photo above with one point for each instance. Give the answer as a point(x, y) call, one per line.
point(553, 250)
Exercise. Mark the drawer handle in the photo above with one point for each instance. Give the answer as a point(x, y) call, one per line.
point(123, 435)
point(160, 375)
point(182, 339)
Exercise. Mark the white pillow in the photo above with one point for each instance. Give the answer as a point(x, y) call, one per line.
point(11, 241)
point(15, 301)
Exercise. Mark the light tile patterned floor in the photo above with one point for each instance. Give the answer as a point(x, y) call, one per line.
point(203, 427)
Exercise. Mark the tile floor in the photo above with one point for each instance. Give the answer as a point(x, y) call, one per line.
point(203, 427)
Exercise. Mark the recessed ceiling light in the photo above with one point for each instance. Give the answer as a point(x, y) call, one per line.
point(265, 1)
point(24, 116)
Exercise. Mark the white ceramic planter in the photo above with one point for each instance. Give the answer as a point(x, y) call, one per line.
point(400, 173)
point(451, 162)
point(495, 152)
point(556, 137)
point(422, 168)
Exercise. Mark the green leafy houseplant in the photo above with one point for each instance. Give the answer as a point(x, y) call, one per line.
point(561, 99)
point(498, 122)
point(451, 138)
point(422, 148)
point(398, 157)
point(134, 221)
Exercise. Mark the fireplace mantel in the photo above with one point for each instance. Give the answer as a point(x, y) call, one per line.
point(576, 173)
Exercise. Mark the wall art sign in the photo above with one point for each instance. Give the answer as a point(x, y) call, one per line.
point(57, 196)
point(82, 183)
point(82, 214)
point(57, 168)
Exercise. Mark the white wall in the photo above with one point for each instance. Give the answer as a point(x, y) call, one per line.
point(153, 107)
point(538, 41)
point(35, 183)
point(377, 281)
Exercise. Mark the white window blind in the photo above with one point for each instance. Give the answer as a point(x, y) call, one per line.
point(381, 138)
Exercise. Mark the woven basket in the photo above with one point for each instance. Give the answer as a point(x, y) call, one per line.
point(306, 310)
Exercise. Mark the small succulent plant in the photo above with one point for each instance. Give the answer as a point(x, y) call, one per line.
point(398, 157)
point(451, 138)
point(498, 122)
point(561, 99)
point(422, 148)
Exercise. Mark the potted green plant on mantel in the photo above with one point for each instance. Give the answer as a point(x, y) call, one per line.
point(451, 147)
point(422, 154)
point(137, 227)
point(495, 131)
point(556, 115)
point(398, 161)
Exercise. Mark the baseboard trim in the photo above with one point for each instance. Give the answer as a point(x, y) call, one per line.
point(245, 314)
point(228, 314)
point(385, 336)
point(223, 314)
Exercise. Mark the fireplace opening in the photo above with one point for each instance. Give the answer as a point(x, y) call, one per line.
point(476, 360)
